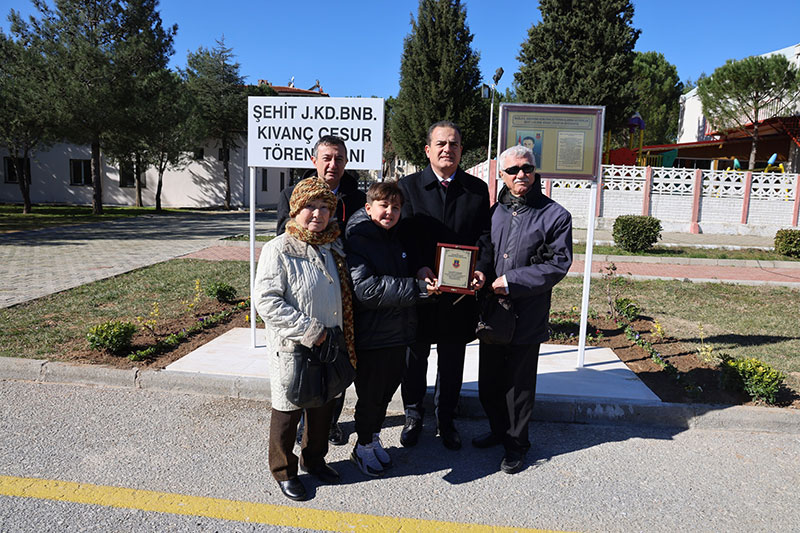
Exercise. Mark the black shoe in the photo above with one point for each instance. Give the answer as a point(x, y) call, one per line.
point(512, 462)
point(487, 440)
point(411, 430)
point(336, 435)
point(293, 489)
point(450, 437)
point(325, 473)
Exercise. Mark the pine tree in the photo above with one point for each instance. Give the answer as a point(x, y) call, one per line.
point(744, 93)
point(439, 80)
point(97, 48)
point(27, 113)
point(658, 90)
point(581, 53)
point(220, 110)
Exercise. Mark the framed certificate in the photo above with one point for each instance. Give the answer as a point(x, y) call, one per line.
point(455, 264)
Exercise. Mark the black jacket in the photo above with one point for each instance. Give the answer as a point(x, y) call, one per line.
point(459, 216)
point(531, 244)
point(384, 285)
point(350, 200)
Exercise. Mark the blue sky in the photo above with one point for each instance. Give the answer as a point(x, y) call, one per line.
point(354, 47)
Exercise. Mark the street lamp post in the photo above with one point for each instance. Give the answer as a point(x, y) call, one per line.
point(497, 75)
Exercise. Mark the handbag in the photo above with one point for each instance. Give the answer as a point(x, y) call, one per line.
point(497, 320)
point(321, 373)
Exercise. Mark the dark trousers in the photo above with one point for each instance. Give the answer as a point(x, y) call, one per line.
point(449, 376)
point(378, 375)
point(507, 390)
point(283, 432)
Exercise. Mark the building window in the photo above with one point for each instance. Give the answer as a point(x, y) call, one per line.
point(80, 171)
point(223, 153)
point(127, 176)
point(264, 180)
point(10, 170)
point(198, 154)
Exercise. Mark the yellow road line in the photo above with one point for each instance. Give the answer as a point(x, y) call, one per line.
point(260, 513)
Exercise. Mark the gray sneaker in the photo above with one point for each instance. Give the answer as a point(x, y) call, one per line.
point(364, 458)
point(380, 453)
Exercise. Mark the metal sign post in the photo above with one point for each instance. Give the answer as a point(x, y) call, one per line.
point(567, 143)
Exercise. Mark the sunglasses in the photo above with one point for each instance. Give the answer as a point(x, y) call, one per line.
point(527, 169)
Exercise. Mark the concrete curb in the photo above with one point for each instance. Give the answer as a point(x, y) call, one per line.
point(590, 411)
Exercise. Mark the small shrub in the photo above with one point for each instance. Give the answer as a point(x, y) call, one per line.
point(787, 242)
point(114, 336)
point(221, 291)
point(636, 233)
point(627, 308)
point(757, 379)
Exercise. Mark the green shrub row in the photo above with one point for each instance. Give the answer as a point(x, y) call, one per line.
point(787, 242)
point(222, 292)
point(636, 233)
point(757, 379)
point(114, 336)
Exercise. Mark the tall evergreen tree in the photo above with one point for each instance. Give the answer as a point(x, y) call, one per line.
point(741, 94)
point(439, 80)
point(97, 51)
point(658, 92)
point(581, 53)
point(146, 51)
point(220, 111)
point(27, 111)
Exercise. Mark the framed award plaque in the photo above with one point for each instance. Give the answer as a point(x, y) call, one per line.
point(455, 264)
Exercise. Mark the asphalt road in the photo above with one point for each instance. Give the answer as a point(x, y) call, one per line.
point(76, 458)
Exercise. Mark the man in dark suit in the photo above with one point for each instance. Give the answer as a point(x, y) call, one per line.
point(329, 159)
point(442, 204)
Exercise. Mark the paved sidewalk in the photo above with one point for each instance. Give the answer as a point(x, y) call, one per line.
point(37, 263)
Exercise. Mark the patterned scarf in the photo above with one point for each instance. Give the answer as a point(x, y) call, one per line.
point(330, 234)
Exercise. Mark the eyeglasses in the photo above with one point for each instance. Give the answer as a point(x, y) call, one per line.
point(527, 169)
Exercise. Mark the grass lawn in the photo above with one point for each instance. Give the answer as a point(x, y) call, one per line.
point(743, 321)
point(35, 329)
point(47, 216)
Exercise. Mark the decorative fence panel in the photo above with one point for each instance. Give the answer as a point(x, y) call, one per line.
point(669, 194)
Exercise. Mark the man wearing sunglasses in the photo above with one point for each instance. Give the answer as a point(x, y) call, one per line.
point(528, 251)
point(442, 204)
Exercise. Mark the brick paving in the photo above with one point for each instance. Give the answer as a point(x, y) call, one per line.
point(37, 263)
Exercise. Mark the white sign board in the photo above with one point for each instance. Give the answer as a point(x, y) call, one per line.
point(282, 131)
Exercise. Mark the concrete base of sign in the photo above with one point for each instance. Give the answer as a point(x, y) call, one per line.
point(603, 376)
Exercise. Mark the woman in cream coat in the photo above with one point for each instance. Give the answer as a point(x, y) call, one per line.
point(301, 288)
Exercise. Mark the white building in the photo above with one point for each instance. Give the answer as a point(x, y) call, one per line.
point(692, 125)
point(61, 175)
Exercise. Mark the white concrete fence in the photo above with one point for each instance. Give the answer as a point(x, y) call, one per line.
point(685, 200)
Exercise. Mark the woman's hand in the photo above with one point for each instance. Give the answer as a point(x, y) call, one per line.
point(321, 338)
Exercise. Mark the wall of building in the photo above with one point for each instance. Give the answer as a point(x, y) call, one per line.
point(199, 183)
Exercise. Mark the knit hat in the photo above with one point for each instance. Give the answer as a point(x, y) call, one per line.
point(311, 189)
